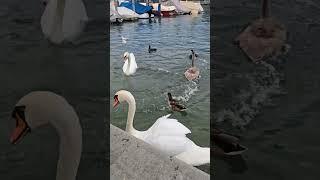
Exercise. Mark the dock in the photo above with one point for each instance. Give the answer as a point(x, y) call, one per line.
point(133, 159)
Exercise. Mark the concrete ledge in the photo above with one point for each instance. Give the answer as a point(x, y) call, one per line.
point(133, 159)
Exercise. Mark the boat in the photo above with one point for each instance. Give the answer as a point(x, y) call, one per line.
point(115, 17)
point(127, 14)
point(195, 7)
point(166, 11)
point(182, 10)
point(136, 7)
point(142, 11)
point(119, 14)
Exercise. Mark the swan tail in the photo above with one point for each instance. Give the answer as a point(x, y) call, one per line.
point(195, 156)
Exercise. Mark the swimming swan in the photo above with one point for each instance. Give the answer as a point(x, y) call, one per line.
point(193, 72)
point(63, 20)
point(40, 108)
point(264, 37)
point(130, 65)
point(167, 135)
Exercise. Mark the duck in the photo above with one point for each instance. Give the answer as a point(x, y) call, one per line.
point(39, 108)
point(124, 40)
point(63, 20)
point(167, 135)
point(130, 66)
point(150, 50)
point(226, 144)
point(174, 105)
point(193, 72)
point(263, 38)
point(190, 56)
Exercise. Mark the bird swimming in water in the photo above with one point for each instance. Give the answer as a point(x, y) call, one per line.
point(226, 144)
point(150, 50)
point(193, 72)
point(175, 106)
point(124, 40)
point(192, 52)
point(264, 37)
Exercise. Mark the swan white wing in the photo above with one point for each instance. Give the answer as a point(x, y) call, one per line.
point(133, 62)
point(125, 67)
point(48, 18)
point(165, 126)
point(74, 20)
point(195, 155)
point(167, 135)
point(171, 145)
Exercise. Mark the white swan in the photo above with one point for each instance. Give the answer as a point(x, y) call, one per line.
point(40, 108)
point(63, 20)
point(130, 65)
point(167, 135)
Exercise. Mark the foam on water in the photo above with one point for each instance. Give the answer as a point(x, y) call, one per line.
point(263, 85)
point(191, 89)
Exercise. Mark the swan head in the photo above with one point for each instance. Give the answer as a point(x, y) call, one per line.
point(121, 96)
point(170, 96)
point(126, 56)
point(22, 126)
point(45, 2)
point(37, 109)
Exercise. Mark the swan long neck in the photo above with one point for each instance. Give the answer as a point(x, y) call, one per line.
point(193, 57)
point(265, 9)
point(70, 133)
point(131, 112)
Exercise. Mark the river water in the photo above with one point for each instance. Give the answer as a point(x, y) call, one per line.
point(163, 71)
point(274, 106)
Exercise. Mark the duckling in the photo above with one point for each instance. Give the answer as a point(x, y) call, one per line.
point(152, 49)
point(192, 52)
point(175, 106)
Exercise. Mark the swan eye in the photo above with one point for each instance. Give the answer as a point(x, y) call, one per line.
point(115, 97)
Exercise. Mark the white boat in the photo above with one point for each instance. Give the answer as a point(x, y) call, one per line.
point(127, 14)
point(145, 16)
point(114, 15)
point(195, 7)
point(119, 14)
point(165, 10)
point(180, 8)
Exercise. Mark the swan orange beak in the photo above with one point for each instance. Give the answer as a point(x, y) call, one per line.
point(115, 103)
point(20, 131)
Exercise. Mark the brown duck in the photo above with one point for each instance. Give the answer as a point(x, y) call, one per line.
point(226, 144)
point(174, 104)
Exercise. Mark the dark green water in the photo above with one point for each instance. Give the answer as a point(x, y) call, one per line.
point(29, 63)
point(281, 130)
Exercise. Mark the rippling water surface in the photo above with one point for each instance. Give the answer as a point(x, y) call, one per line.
point(163, 71)
point(273, 106)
